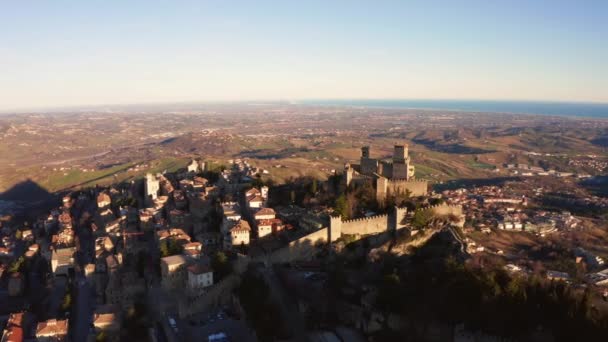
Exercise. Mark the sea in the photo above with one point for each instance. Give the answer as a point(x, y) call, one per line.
point(571, 109)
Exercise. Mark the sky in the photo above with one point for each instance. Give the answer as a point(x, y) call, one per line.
point(70, 53)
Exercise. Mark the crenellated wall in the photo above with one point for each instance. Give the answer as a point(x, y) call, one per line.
point(446, 209)
point(365, 226)
point(413, 187)
point(368, 225)
point(304, 247)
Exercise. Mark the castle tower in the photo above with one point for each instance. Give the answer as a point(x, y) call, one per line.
point(399, 217)
point(368, 165)
point(335, 228)
point(400, 154)
point(348, 174)
point(381, 189)
point(365, 152)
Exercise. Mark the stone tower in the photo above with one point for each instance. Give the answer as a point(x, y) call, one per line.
point(400, 154)
point(400, 214)
point(365, 152)
point(152, 186)
point(348, 174)
point(335, 228)
point(368, 165)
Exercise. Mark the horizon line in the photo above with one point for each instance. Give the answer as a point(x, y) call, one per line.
point(299, 101)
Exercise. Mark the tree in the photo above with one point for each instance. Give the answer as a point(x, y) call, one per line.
point(341, 206)
point(16, 265)
point(220, 264)
point(67, 302)
point(101, 337)
point(436, 201)
point(422, 218)
point(313, 187)
point(164, 249)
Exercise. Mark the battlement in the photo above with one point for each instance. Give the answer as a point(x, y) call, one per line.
point(453, 206)
point(445, 209)
point(362, 219)
point(407, 181)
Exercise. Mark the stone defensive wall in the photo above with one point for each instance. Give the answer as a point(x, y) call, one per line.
point(445, 209)
point(366, 225)
point(216, 296)
point(305, 246)
point(415, 187)
point(302, 248)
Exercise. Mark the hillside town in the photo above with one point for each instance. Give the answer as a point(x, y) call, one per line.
point(183, 256)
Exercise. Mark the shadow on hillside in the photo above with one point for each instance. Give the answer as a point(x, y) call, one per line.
point(455, 148)
point(469, 182)
point(26, 199)
point(271, 153)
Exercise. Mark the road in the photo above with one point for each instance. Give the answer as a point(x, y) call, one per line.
point(83, 293)
point(82, 309)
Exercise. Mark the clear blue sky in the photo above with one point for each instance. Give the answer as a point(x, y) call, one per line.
point(56, 53)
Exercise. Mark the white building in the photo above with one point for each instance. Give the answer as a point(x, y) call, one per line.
point(255, 202)
point(193, 166)
point(152, 186)
point(239, 234)
point(264, 227)
point(199, 276)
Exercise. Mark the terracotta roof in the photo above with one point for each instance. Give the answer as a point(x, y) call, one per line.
point(200, 180)
point(265, 222)
point(265, 211)
point(174, 260)
point(240, 226)
point(14, 328)
point(103, 197)
point(193, 245)
point(256, 198)
point(199, 269)
point(52, 327)
point(104, 319)
point(252, 191)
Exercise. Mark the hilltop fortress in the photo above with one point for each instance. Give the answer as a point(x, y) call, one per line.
point(396, 176)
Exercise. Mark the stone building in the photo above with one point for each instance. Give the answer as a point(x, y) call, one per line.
point(173, 271)
point(199, 276)
point(394, 176)
point(152, 186)
point(238, 234)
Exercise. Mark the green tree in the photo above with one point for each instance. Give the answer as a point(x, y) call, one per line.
point(67, 302)
point(341, 206)
point(221, 265)
point(422, 218)
point(313, 187)
point(16, 265)
point(101, 337)
point(164, 249)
